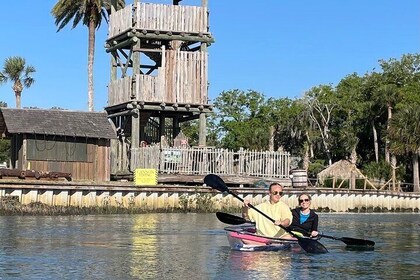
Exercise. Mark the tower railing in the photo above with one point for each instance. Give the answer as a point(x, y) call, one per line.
point(159, 17)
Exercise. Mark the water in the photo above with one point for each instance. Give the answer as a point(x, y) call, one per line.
point(194, 246)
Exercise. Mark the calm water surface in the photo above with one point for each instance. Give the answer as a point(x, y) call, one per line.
point(194, 246)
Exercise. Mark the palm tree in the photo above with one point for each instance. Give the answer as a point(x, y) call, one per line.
point(404, 131)
point(16, 70)
point(91, 13)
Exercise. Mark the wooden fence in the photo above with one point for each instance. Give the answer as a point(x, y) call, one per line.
point(159, 17)
point(201, 161)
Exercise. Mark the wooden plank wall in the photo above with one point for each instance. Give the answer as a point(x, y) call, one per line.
point(120, 21)
point(147, 88)
point(189, 80)
point(147, 158)
point(97, 167)
point(119, 91)
point(182, 80)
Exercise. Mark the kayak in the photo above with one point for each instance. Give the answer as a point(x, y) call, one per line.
point(243, 238)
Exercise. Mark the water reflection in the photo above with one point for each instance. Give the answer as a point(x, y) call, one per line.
point(144, 243)
point(262, 265)
point(194, 246)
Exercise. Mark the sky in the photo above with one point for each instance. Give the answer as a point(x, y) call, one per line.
point(280, 48)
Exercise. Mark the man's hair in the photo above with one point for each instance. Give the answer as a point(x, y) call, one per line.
point(274, 184)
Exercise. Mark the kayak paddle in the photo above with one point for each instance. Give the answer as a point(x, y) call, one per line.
point(231, 219)
point(307, 244)
point(349, 241)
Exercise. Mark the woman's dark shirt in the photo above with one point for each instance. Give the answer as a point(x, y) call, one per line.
point(308, 226)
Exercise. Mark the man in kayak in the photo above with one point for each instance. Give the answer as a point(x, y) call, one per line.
point(276, 209)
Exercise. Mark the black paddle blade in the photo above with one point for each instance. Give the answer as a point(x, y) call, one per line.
point(230, 219)
point(351, 241)
point(215, 182)
point(312, 246)
point(357, 242)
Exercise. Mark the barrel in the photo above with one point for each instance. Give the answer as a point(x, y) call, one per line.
point(299, 178)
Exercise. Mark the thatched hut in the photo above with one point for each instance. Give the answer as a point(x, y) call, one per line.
point(342, 170)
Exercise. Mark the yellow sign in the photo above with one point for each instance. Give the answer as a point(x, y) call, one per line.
point(146, 177)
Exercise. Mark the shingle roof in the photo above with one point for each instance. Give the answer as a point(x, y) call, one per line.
point(56, 122)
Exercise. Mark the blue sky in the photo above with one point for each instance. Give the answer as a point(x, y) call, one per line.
point(280, 48)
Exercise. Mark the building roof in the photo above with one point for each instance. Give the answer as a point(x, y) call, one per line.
point(341, 169)
point(56, 122)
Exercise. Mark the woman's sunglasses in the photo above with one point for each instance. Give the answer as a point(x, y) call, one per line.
point(304, 200)
point(276, 193)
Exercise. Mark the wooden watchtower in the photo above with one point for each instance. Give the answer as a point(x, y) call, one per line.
point(158, 74)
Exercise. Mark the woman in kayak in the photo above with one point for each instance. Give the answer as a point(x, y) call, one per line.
point(305, 220)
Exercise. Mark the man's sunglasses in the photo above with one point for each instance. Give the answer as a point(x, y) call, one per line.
point(304, 200)
point(276, 193)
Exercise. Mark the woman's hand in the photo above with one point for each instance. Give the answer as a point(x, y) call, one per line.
point(314, 233)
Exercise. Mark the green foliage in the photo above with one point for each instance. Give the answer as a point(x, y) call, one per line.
point(330, 123)
point(404, 131)
point(200, 202)
point(191, 130)
point(243, 120)
point(4, 150)
point(290, 123)
point(86, 11)
point(19, 73)
point(315, 167)
point(204, 202)
point(378, 170)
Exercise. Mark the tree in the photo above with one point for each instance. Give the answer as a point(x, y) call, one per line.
point(320, 103)
point(191, 130)
point(91, 12)
point(404, 131)
point(20, 74)
point(242, 120)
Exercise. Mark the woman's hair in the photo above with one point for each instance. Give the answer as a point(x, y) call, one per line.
point(304, 194)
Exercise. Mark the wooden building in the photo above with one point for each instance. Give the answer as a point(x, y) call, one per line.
point(60, 141)
point(159, 64)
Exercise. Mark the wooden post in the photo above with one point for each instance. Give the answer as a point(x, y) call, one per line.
point(24, 153)
point(394, 167)
point(203, 126)
point(123, 154)
point(202, 130)
point(352, 181)
point(271, 140)
point(135, 135)
point(176, 128)
point(162, 126)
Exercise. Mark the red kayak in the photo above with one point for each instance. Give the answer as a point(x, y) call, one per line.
point(243, 238)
